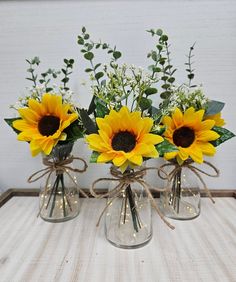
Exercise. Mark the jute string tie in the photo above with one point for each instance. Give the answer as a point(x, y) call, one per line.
point(123, 181)
point(59, 167)
point(197, 171)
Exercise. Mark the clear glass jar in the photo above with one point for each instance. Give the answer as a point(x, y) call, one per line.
point(128, 222)
point(59, 196)
point(182, 201)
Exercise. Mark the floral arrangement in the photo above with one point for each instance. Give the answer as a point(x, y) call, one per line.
point(121, 130)
point(192, 122)
point(47, 115)
point(49, 121)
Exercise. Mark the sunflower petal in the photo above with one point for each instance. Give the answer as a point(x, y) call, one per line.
point(196, 154)
point(119, 160)
point(207, 135)
point(177, 117)
point(170, 155)
point(151, 138)
point(207, 148)
point(105, 157)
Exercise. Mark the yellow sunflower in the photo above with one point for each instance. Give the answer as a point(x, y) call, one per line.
point(124, 138)
point(42, 123)
point(190, 134)
point(217, 118)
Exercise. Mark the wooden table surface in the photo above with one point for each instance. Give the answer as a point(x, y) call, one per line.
point(203, 249)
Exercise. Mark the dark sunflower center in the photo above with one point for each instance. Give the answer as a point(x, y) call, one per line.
point(123, 141)
point(183, 137)
point(48, 125)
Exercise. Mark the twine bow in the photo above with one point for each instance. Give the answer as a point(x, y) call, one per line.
point(194, 169)
point(59, 167)
point(124, 180)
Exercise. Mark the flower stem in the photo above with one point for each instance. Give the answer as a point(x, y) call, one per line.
point(63, 194)
point(132, 205)
point(54, 195)
point(176, 191)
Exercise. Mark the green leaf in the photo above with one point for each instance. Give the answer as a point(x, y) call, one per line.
point(214, 107)
point(165, 95)
point(159, 32)
point(89, 56)
point(10, 121)
point(154, 56)
point(99, 75)
point(145, 103)
point(101, 109)
point(83, 29)
point(191, 75)
point(94, 157)
point(86, 36)
point(165, 147)
point(171, 79)
point(150, 91)
point(30, 70)
point(164, 78)
point(74, 131)
point(88, 70)
point(165, 86)
point(224, 133)
point(65, 79)
point(164, 37)
point(88, 123)
point(104, 46)
point(117, 54)
point(97, 66)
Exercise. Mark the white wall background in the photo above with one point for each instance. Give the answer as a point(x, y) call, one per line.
point(49, 30)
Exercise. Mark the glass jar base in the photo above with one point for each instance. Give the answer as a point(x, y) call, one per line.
point(55, 220)
point(185, 211)
point(134, 246)
point(122, 237)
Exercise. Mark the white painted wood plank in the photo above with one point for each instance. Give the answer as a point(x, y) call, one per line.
point(203, 249)
point(49, 29)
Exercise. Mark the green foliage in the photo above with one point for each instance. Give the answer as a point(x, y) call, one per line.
point(88, 123)
point(144, 103)
point(162, 63)
point(74, 131)
point(47, 76)
point(67, 70)
point(88, 48)
point(165, 147)
point(224, 133)
point(10, 121)
point(214, 107)
point(189, 64)
point(94, 157)
point(150, 91)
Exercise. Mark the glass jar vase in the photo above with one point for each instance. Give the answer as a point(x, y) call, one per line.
point(128, 222)
point(182, 199)
point(59, 196)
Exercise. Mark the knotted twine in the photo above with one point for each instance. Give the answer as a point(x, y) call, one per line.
point(59, 167)
point(194, 169)
point(124, 180)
